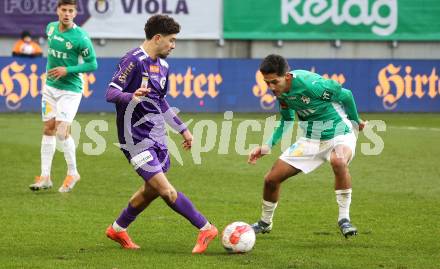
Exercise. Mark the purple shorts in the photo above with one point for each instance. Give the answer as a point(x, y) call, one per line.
point(150, 162)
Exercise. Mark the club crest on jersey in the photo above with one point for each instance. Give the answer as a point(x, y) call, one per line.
point(68, 45)
point(305, 99)
point(162, 82)
point(50, 32)
point(154, 69)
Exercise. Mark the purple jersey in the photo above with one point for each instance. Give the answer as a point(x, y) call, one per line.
point(142, 125)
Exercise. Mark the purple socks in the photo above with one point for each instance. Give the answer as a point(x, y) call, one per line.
point(128, 215)
point(184, 207)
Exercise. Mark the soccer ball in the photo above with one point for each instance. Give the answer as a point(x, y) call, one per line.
point(238, 237)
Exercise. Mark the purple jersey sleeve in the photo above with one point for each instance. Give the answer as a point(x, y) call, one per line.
point(114, 95)
point(119, 90)
point(171, 117)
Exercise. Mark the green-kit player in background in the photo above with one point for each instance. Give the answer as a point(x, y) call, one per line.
point(61, 95)
point(326, 112)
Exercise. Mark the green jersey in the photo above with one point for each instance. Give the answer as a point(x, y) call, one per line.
point(65, 49)
point(323, 107)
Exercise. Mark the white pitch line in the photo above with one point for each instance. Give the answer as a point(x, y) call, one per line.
point(413, 128)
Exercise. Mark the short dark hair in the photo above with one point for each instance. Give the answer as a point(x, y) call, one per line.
point(161, 24)
point(274, 64)
point(25, 34)
point(66, 2)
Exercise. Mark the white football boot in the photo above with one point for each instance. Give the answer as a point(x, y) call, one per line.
point(41, 183)
point(69, 183)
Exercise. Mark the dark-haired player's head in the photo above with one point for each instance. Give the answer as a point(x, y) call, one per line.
point(274, 64)
point(161, 30)
point(275, 70)
point(66, 11)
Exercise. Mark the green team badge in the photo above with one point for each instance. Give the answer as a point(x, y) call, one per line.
point(305, 99)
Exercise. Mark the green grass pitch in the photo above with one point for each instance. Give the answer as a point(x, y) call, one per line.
point(395, 204)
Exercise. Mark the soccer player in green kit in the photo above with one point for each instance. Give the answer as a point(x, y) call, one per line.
point(326, 112)
point(62, 93)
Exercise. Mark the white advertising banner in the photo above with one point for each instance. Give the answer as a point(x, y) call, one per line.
point(199, 19)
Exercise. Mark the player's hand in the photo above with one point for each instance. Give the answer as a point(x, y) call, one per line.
point(57, 72)
point(187, 140)
point(140, 92)
point(257, 153)
point(362, 125)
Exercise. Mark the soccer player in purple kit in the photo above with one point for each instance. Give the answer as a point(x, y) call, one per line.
point(138, 89)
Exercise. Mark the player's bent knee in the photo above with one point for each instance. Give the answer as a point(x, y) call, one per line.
point(338, 164)
point(270, 183)
point(169, 195)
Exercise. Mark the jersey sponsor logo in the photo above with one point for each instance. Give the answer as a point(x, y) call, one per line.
point(326, 95)
point(85, 52)
point(154, 69)
point(144, 79)
point(291, 97)
point(123, 77)
point(69, 45)
point(141, 159)
point(57, 54)
point(305, 99)
point(58, 38)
